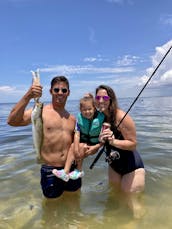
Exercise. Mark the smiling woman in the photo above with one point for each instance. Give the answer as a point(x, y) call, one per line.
point(126, 171)
point(106, 98)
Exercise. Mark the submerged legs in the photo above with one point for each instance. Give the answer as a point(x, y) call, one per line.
point(131, 185)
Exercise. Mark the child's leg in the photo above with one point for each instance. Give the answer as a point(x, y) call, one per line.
point(64, 173)
point(79, 165)
point(78, 172)
point(61, 174)
point(69, 160)
point(82, 150)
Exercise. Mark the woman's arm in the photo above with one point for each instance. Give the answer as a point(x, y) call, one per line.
point(128, 131)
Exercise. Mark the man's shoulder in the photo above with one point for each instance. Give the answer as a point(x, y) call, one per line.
point(47, 106)
point(72, 116)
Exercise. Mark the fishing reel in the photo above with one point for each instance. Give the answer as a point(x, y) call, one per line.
point(114, 155)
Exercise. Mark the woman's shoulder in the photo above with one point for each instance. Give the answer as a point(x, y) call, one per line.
point(120, 115)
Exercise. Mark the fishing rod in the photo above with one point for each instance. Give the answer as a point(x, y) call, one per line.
point(153, 73)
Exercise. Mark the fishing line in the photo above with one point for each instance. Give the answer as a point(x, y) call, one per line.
point(102, 149)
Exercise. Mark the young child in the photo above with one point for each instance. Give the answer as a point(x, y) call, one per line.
point(88, 127)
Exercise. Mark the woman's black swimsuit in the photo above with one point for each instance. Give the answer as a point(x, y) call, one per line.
point(125, 161)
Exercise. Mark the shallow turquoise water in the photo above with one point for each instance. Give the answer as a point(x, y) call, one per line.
point(97, 205)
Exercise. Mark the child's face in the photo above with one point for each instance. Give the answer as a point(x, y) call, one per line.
point(87, 110)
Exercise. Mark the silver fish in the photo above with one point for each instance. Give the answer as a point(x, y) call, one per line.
point(36, 117)
point(37, 127)
point(36, 79)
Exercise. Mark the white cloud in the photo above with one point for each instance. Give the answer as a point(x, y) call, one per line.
point(166, 19)
point(11, 90)
point(163, 74)
point(127, 60)
point(124, 79)
point(11, 93)
point(87, 69)
point(90, 59)
point(167, 77)
point(98, 58)
point(6, 89)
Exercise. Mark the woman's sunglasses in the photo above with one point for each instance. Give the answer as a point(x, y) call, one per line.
point(105, 97)
point(63, 90)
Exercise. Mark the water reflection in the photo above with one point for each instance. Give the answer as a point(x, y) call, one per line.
point(56, 212)
point(22, 204)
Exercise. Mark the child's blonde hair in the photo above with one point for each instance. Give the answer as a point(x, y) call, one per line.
point(85, 98)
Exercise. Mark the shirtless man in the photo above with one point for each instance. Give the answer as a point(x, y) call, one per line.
point(58, 130)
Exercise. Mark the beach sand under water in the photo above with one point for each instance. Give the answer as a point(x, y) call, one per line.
point(97, 205)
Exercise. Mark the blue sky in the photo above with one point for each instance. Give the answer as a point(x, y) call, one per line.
point(92, 42)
